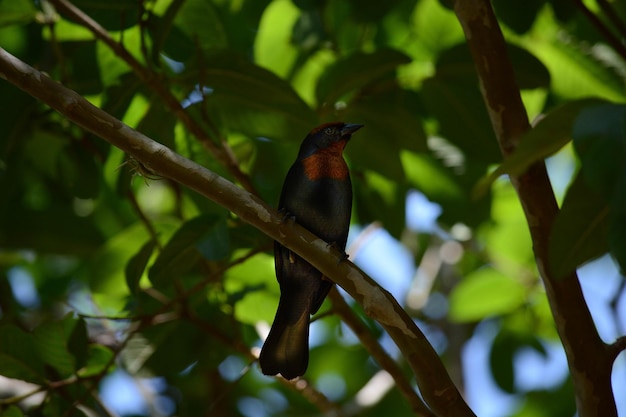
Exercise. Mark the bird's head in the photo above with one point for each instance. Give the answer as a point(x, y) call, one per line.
point(330, 137)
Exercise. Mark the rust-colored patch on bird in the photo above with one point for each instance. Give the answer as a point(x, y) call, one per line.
point(326, 163)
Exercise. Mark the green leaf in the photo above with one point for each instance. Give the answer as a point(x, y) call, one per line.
point(600, 142)
point(251, 100)
point(377, 197)
point(98, 359)
point(549, 135)
point(204, 235)
point(580, 230)
point(16, 12)
point(52, 340)
point(390, 126)
point(175, 346)
point(356, 71)
point(519, 15)
point(503, 350)
point(158, 124)
point(617, 226)
point(19, 358)
point(137, 265)
point(187, 30)
point(457, 105)
point(112, 14)
point(253, 289)
point(485, 293)
point(11, 411)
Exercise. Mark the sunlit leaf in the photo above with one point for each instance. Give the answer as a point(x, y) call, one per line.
point(484, 293)
point(253, 288)
point(137, 265)
point(98, 359)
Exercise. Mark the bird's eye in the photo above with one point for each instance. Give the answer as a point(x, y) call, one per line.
point(329, 131)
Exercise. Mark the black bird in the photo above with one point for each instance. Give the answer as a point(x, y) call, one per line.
point(318, 193)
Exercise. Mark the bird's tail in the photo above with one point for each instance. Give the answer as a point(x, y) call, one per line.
point(286, 349)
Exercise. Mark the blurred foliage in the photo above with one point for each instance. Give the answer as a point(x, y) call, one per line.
point(142, 276)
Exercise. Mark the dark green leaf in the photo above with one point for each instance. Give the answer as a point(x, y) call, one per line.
point(580, 231)
point(251, 100)
point(16, 12)
point(175, 347)
point(203, 235)
point(600, 141)
point(12, 411)
point(617, 227)
point(501, 361)
point(98, 359)
point(519, 15)
point(502, 355)
point(357, 71)
point(458, 107)
point(78, 341)
point(112, 14)
point(137, 264)
point(390, 127)
point(158, 124)
point(18, 357)
point(549, 135)
point(188, 30)
point(52, 342)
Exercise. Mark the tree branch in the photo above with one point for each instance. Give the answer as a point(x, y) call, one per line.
point(588, 359)
point(433, 380)
point(345, 313)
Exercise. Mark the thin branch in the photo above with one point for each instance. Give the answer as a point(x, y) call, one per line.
point(617, 347)
point(433, 380)
point(611, 39)
point(610, 13)
point(224, 154)
point(589, 364)
point(385, 361)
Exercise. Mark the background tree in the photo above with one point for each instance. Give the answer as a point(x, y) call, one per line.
point(109, 278)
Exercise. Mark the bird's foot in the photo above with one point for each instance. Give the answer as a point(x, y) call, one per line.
point(343, 255)
point(287, 216)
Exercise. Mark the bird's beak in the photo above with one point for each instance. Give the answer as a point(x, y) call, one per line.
point(350, 128)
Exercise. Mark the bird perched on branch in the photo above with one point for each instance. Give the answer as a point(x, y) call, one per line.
point(318, 193)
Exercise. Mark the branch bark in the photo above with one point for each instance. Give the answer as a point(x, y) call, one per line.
point(434, 383)
point(588, 357)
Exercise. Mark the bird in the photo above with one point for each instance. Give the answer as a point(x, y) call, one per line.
point(317, 194)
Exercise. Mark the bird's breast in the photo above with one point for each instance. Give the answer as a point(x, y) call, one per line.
point(325, 165)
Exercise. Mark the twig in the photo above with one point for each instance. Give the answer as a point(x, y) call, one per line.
point(385, 361)
point(223, 155)
point(432, 378)
point(613, 17)
point(613, 40)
